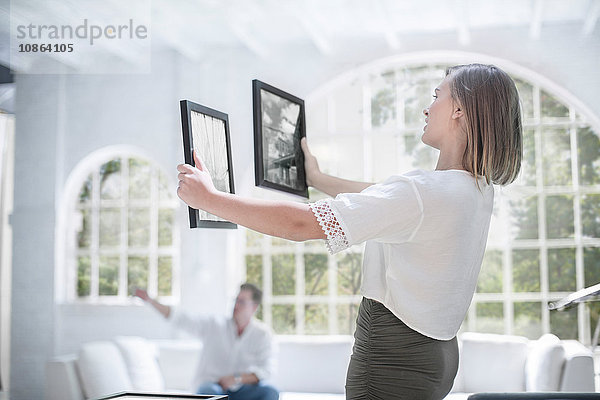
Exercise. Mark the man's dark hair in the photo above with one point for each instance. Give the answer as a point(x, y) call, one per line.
point(256, 292)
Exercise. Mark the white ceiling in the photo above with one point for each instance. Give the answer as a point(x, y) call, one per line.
point(260, 25)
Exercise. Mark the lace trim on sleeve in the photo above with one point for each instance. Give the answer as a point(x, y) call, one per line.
point(336, 238)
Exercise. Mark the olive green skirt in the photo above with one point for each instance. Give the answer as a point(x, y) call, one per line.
point(392, 361)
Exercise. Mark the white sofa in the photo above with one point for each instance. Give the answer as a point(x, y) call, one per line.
point(315, 367)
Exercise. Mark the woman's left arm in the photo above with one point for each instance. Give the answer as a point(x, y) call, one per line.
point(285, 219)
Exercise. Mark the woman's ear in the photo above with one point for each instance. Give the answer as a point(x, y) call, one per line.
point(457, 113)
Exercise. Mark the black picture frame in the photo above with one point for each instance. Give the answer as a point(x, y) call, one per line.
point(207, 131)
point(161, 396)
point(279, 125)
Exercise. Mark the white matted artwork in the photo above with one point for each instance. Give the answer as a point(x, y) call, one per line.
point(207, 132)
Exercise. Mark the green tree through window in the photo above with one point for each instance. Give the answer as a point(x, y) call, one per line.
point(124, 231)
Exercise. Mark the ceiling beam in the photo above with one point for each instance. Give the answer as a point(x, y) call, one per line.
point(240, 19)
point(462, 23)
point(314, 31)
point(310, 20)
point(390, 34)
point(591, 18)
point(535, 27)
point(241, 30)
point(167, 27)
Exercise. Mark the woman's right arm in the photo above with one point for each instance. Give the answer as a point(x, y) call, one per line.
point(328, 184)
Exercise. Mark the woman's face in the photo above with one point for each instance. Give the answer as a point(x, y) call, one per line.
point(441, 118)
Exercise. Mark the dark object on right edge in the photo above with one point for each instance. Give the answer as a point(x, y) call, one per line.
point(535, 396)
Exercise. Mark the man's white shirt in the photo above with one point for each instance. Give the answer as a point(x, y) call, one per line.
point(224, 352)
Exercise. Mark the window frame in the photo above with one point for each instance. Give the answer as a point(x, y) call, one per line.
point(300, 299)
point(67, 228)
point(507, 297)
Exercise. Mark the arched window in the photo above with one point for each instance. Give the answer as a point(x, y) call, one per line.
point(544, 238)
point(121, 231)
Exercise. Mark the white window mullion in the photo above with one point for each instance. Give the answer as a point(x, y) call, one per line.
point(267, 281)
point(400, 116)
point(583, 319)
point(366, 101)
point(176, 257)
point(544, 287)
point(153, 245)
point(332, 290)
point(73, 254)
point(331, 123)
point(95, 239)
point(242, 254)
point(124, 207)
point(541, 190)
point(508, 303)
point(300, 291)
point(541, 198)
point(368, 158)
point(367, 147)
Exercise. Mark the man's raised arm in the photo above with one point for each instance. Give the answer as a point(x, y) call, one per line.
point(163, 309)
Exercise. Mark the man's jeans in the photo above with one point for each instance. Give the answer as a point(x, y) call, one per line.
point(260, 391)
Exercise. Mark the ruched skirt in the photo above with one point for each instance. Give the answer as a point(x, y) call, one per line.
point(392, 361)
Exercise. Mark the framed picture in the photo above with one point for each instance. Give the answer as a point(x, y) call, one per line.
point(160, 396)
point(278, 127)
point(207, 131)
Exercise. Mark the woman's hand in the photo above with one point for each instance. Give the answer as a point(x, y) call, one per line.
point(311, 166)
point(327, 183)
point(195, 184)
point(286, 219)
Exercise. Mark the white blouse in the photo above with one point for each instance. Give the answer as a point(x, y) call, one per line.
point(426, 233)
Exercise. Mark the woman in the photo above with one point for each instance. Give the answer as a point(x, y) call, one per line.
point(425, 233)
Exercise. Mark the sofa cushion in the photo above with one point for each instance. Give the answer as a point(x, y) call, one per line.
point(544, 364)
point(62, 380)
point(457, 396)
point(178, 361)
point(493, 363)
point(140, 359)
point(102, 369)
point(297, 370)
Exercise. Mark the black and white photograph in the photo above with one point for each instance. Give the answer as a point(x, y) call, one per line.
point(206, 131)
point(278, 129)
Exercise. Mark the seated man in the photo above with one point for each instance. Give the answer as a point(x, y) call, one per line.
point(237, 353)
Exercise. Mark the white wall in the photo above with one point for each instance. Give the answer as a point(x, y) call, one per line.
point(61, 119)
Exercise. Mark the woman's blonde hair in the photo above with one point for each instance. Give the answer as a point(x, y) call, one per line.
point(489, 100)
